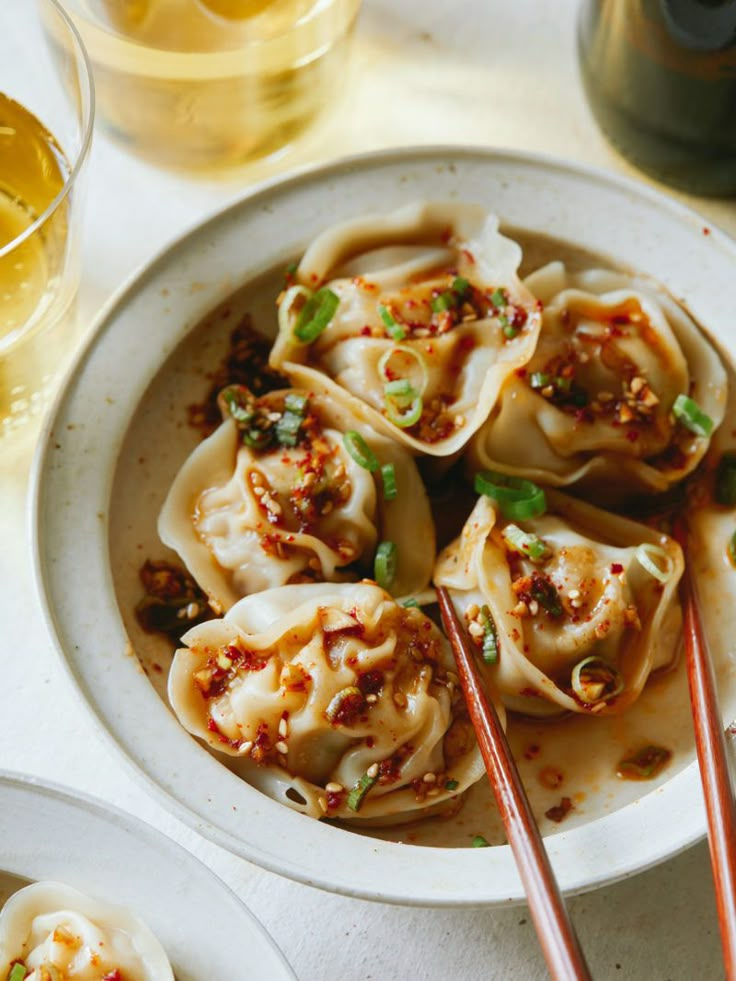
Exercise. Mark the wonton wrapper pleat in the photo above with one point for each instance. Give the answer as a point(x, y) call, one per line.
point(213, 518)
point(528, 435)
point(286, 626)
point(113, 935)
point(475, 568)
point(413, 245)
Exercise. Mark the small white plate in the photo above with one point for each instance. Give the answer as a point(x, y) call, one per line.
point(204, 928)
point(119, 433)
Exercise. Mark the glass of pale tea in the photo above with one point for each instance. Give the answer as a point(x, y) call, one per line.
point(205, 84)
point(46, 112)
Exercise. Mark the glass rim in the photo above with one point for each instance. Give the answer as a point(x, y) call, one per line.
point(87, 127)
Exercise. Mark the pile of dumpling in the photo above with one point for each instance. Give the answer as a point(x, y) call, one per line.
point(412, 346)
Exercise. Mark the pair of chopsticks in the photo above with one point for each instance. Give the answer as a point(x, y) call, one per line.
point(555, 931)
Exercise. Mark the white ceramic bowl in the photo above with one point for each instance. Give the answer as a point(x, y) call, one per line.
point(205, 929)
point(113, 443)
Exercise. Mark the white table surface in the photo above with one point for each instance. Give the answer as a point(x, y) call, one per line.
point(487, 72)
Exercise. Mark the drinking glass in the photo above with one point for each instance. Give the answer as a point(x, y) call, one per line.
point(197, 84)
point(46, 110)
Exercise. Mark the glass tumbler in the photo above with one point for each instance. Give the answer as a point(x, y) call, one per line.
point(46, 111)
point(201, 84)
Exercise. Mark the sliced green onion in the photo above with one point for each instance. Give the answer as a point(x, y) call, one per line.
point(510, 332)
point(518, 499)
point(562, 384)
point(410, 603)
point(384, 566)
point(644, 764)
point(479, 842)
point(357, 794)
point(538, 379)
point(360, 451)
point(394, 329)
point(460, 285)
point(688, 412)
point(490, 646)
point(408, 418)
point(238, 403)
point(731, 549)
point(315, 315)
point(257, 439)
point(595, 680)
point(408, 352)
point(655, 561)
point(725, 487)
point(296, 403)
point(545, 593)
point(451, 784)
point(388, 476)
point(287, 428)
point(17, 972)
point(400, 389)
point(529, 545)
point(287, 303)
point(498, 298)
point(443, 302)
point(345, 705)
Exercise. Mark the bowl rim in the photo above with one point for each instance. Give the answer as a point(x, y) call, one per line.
point(658, 851)
point(54, 795)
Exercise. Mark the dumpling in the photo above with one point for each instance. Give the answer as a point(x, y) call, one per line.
point(340, 701)
point(622, 385)
point(417, 319)
point(293, 488)
point(56, 933)
point(577, 606)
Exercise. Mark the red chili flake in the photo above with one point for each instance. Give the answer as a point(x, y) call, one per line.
point(560, 811)
point(467, 343)
point(369, 741)
point(706, 231)
point(446, 235)
point(371, 682)
point(520, 372)
point(468, 256)
point(112, 976)
point(616, 568)
point(532, 751)
point(348, 710)
point(632, 435)
point(520, 317)
point(529, 692)
point(366, 331)
point(389, 771)
point(334, 799)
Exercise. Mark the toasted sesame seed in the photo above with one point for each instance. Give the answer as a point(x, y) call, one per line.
point(339, 471)
point(309, 478)
point(259, 491)
point(326, 507)
point(433, 792)
point(281, 747)
point(274, 507)
point(192, 611)
point(520, 610)
point(605, 396)
point(576, 604)
point(472, 611)
point(574, 593)
point(622, 578)
point(399, 699)
point(245, 747)
point(315, 564)
point(637, 384)
point(371, 699)
point(372, 771)
point(256, 479)
point(322, 801)
point(459, 420)
point(548, 391)
point(334, 788)
point(421, 332)
point(283, 728)
point(475, 629)
point(533, 607)
point(583, 357)
point(430, 778)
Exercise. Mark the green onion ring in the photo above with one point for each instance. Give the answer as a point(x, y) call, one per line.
point(393, 329)
point(579, 688)
point(530, 545)
point(384, 566)
point(360, 451)
point(388, 476)
point(410, 352)
point(405, 419)
point(688, 412)
point(518, 499)
point(316, 315)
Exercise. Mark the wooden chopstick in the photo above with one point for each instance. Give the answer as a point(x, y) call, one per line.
point(557, 938)
point(710, 744)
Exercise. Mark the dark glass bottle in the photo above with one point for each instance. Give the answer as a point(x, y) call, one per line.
point(660, 76)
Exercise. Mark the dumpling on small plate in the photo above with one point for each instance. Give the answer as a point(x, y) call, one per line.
point(572, 609)
point(292, 487)
point(339, 701)
point(415, 319)
point(622, 387)
point(52, 932)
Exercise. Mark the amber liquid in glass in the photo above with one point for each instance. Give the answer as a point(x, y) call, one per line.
point(202, 83)
point(33, 170)
point(660, 76)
